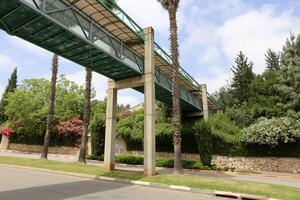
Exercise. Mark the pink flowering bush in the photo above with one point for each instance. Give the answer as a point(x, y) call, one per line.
point(70, 131)
point(6, 131)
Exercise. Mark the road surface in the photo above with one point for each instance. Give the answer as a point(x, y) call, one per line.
point(23, 184)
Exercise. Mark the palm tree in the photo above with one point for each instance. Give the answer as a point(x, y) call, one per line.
point(172, 6)
point(87, 103)
point(86, 116)
point(51, 107)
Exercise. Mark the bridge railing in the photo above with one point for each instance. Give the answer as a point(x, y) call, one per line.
point(134, 27)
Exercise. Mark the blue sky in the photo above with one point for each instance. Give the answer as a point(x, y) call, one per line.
point(211, 33)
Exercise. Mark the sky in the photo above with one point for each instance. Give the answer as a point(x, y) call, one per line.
point(211, 33)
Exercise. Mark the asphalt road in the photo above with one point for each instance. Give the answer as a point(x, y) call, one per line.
point(23, 184)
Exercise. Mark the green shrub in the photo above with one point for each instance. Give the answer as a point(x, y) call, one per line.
point(204, 137)
point(127, 159)
point(186, 164)
point(95, 157)
point(165, 162)
point(224, 128)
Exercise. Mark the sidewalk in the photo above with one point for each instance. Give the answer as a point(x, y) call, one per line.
point(286, 179)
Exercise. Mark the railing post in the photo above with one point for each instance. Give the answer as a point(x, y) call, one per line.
point(43, 5)
point(149, 107)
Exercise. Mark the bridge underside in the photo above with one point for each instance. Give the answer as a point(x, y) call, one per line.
point(91, 35)
point(61, 29)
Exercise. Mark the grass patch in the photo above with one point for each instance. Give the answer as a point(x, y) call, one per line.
point(269, 190)
point(70, 167)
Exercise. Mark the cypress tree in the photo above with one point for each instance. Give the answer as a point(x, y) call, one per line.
point(12, 85)
point(242, 78)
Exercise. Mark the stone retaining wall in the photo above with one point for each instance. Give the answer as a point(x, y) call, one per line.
point(271, 164)
point(38, 149)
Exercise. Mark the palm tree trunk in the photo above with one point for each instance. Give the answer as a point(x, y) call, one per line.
point(176, 118)
point(51, 107)
point(86, 116)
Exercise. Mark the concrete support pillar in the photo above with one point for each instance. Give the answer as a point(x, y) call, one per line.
point(4, 143)
point(204, 101)
point(149, 106)
point(110, 128)
point(89, 145)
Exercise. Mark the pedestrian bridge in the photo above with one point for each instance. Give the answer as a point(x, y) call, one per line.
point(98, 35)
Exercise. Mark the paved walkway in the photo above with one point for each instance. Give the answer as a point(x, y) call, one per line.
point(17, 184)
point(286, 179)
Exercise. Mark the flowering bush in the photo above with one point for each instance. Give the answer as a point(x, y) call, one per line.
point(72, 126)
point(6, 131)
point(69, 132)
point(272, 131)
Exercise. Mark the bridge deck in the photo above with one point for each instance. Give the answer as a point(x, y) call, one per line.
point(90, 33)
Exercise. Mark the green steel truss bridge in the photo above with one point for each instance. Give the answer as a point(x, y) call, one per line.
point(101, 36)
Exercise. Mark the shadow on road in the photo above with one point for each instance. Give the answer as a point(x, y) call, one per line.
point(60, 191)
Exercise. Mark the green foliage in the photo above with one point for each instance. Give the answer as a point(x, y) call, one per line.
point(131, 127)
point(242, 78)
point(162, 162)
point(225, 98)
point(12, 85)
point(289, 86)
point(272, 60)
point(223, 128)
point(127, 159)
point(204, 138)
point(97, 127)
point(186, 164)
point(95, 157)
point(272, 131)
point(273, 93)
point(69, 99)
point(27, 107)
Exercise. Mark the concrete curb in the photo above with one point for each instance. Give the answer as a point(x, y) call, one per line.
point(146, 184)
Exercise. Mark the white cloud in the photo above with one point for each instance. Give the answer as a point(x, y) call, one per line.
point(147, 13)
point(99, 82)
point(255, 32)
point(214, 46)
point(6, 67)
point(215, 83)
point(124, 98)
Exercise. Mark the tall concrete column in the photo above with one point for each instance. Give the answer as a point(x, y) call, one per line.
point(110, 128)
point(149, 106)
point(204, 101)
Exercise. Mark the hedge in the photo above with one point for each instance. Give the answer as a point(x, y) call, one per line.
point(167, 163)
